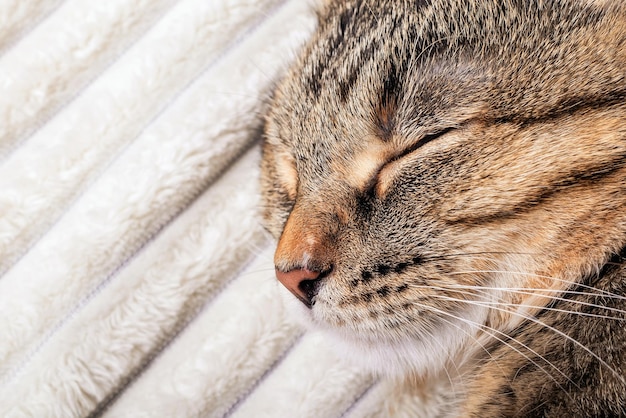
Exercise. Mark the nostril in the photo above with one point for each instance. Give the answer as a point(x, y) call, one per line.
point(309, 288)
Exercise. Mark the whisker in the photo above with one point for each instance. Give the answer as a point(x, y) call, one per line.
point(547, 308)
point(533, 291)
point(557, 331)
point(472, 337)
point(450, 255)
point(600, 291)
point(496, 303)
point(443, 348)
point(377, 17)
point(492, 332)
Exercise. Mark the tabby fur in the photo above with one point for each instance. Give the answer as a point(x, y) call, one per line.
point(456, 173)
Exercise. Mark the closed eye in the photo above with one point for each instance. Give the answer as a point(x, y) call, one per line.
point(423, 141)
point(379, 182)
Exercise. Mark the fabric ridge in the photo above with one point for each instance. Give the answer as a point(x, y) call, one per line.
point(135, 277)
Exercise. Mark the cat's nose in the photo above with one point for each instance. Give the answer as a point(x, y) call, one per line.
point(303, 283)
point(304, 254)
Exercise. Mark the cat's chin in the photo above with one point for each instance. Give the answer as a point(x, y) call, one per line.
point(417, 355)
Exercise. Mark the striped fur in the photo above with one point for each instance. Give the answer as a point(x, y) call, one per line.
point(457, 172)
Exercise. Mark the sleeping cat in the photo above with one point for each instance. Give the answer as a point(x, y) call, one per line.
point(447, 183)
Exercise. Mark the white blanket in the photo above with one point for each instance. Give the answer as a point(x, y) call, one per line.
point(135, 278)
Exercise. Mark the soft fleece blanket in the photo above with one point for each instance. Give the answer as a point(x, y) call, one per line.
point(135, 278)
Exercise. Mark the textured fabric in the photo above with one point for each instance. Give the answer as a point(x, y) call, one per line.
point(135, 278)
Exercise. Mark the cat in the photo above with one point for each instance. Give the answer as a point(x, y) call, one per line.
point(447, 184)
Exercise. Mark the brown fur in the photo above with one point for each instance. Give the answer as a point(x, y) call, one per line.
point(457, 171)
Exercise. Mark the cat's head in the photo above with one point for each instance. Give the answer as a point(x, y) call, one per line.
point(434, 174)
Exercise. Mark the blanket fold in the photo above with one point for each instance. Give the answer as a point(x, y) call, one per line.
point(135, 278)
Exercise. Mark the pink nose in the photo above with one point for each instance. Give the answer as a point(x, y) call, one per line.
point(302, 283)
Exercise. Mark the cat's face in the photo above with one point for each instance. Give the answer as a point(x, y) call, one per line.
point(426, 195)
